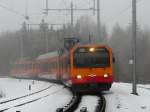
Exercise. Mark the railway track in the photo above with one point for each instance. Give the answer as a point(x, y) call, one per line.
point(29, 98)
point(101, 104)
point(24, 96)
point(73, 105)
point(26, 100)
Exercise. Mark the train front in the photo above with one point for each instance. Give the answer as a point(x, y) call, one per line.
point(91, 68)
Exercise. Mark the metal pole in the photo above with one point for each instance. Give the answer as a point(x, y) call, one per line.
point(98, 20)
point(134, 85)
point(46, 37)
point(26, 8)
point(46, 7)
point(94, 7)
point(21, 47)
point(47, 41)
point(24, 34)
point(71, 14)
point(71, 19)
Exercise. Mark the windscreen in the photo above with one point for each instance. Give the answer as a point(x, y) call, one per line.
point(99, 57)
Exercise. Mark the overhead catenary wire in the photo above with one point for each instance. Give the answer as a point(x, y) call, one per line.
point(26, 8)
point(21, 14)
point(65, 5)
point(85, 4)
point(120, 13)
point(11, 10)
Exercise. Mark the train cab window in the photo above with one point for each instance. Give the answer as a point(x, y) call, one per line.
point(97, 58)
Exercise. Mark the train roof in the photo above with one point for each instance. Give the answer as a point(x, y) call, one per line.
point(48, 55)
point(92, 45)
point(23, 61)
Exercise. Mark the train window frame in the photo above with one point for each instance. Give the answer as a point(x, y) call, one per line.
point(87, 49)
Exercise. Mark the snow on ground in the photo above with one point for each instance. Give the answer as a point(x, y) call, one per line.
point(16, 87)
point(47, 104)
point(147, 86)
point(52, 98)
point(120, 99)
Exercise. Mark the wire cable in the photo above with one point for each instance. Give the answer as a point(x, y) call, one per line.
point(65, 5)
point(11, 10)
point(121, 12)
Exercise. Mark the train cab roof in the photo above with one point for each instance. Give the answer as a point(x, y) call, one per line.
point(91, 45)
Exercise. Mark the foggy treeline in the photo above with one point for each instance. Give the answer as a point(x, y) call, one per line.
point(121, 42)
point(33, 40)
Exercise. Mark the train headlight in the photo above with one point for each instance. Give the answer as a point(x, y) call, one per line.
point(92, 49)
point(106, 75)
point(79, 77)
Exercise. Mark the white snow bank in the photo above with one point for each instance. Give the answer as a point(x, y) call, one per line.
point(52, 98)
point(120, 99)
point(13, 88)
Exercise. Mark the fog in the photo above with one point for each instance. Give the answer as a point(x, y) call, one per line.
point(112, 11)
point(116, 31)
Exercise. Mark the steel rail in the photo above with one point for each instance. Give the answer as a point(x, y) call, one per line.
point(17, 98)
point(101, 104)
point(73, 104)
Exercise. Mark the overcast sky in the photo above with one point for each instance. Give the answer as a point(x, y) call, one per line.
point(112, 11)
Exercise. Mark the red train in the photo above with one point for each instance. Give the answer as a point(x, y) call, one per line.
point(84, 67)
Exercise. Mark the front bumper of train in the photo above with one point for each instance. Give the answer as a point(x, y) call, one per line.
point(89, 80)
point(92, 87)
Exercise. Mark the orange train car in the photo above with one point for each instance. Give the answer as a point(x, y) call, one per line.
point(83, 67)
point(91, 67)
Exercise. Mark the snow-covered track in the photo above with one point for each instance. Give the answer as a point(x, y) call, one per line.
point(73, 104)
point(17, 98)
point(92, 103)
point(30, 98)
point(101, 104)
point(40, 79)
point(26, 100)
